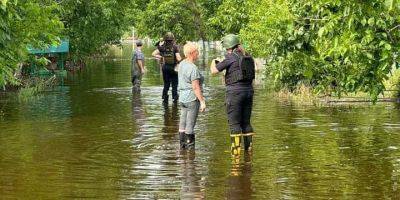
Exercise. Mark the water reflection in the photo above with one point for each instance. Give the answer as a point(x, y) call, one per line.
point(239, 181)
point(99, 140)
point(138, 113)
point(192, 184)
point(171, 119)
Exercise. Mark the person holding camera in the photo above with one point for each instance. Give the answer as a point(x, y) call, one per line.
point(239, 75)
point(168, 51)
point(190, 95)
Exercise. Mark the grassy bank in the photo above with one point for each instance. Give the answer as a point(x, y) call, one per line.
point(33, 86)
point(304, 95)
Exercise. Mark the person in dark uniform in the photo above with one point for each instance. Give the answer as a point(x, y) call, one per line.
point(239, 75)
point(169, 53)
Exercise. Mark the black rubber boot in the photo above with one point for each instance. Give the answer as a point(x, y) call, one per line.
point(182, 140)
point(176, 98)
point(190, 141)
point(236, 139)
point(165, 98)
point(248, 142)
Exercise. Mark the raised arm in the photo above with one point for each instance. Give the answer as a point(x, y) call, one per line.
point(217, 66)
point(213, 67)
point(156, 54)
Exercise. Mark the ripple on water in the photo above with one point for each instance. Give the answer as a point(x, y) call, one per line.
point(391, 126)
point(304, 122)
point(131, 151)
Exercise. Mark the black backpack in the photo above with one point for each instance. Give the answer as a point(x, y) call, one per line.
point(246, 67)
point(167, 52)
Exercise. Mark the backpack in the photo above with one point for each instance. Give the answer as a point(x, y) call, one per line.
point(246, 71)
point(167, 52)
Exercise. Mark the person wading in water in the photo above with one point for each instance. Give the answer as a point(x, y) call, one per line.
point(190, 95)
point(240, 72)
point(137, 69)
point(169, 53)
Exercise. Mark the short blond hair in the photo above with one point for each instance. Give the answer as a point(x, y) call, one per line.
point(189, 48)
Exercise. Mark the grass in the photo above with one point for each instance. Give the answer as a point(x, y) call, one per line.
point(33, 86)
point(302, 95)
point(392, 85)
point(305, 96)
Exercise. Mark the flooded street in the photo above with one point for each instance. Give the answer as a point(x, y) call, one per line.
point(94, 139)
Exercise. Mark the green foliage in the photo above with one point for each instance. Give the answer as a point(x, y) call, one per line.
point(35, 86)
point(230, 17)
point(208, 9)
point(91, 25)
point(172, 15)
point(24, 22)
point(335, 46)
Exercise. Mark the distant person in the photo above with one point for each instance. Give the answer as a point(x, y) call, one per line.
point(168, 51)
point(137, 69)
point(190, 95)
point(239, 67)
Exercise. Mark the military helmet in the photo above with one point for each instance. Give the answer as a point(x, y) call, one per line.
point(169, 36)
point(230, 41)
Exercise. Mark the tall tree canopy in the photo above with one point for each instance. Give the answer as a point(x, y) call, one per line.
point(90, 25)
point(335, 46)
point(230, 17)
point(23, 22)
point(162, 16)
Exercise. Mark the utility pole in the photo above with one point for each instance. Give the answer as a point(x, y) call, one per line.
point(133, 38)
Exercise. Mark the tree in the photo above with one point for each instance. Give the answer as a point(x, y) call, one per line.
point(171, 15)
point(23, 23)
point(91, 25)
point(230, 17)
point(333, 46)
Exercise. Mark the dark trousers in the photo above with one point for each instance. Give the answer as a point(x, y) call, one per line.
point(238, 108)
point(170, 77)
point(136, 79)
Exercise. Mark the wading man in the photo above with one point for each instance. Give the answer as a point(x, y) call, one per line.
point(137, 69)
point(169, 53)
point(239, 75)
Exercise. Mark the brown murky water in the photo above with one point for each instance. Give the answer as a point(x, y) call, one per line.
point(94, 139)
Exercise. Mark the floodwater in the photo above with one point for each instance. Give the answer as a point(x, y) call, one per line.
point(93, 139)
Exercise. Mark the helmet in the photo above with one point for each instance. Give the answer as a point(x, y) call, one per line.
point(139, 43)
point(169, 36)
point(230, 40)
